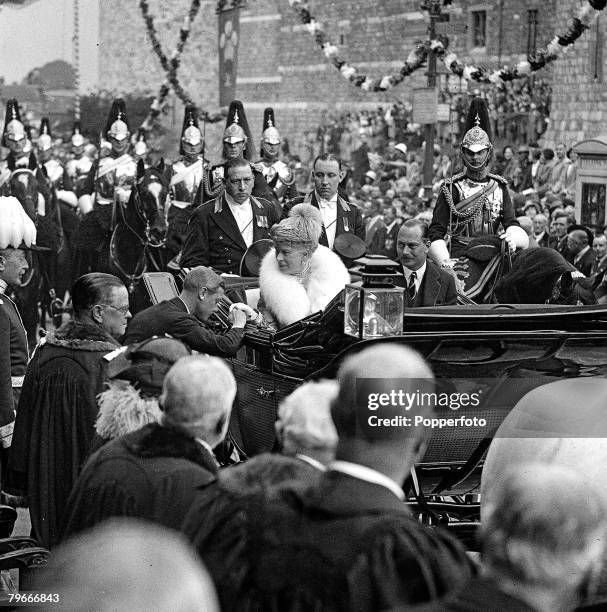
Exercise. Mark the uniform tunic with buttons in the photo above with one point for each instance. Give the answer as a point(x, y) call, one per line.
point(214, 238)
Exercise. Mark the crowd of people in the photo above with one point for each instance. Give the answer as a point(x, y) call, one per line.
point(122, 416)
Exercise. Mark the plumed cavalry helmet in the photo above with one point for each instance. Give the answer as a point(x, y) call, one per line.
point(190, 132)
point(141, 146)
point(77, 138)
point(45, 141)
point(13, 126)
point(117, 124)
point(237, 128)
point(478, 132)
point(17, 230)
point(270, 134)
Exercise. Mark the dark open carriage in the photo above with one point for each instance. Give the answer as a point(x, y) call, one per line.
point(501, 351)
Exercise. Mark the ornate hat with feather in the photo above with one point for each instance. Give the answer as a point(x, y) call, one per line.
point(190, 132)
point(141, 146)
point(117, 125)
point(45, 140)
point(14, 129)
point(237, 128)
point(270, 133)
point(478, 127)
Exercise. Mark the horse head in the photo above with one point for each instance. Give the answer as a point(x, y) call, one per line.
point(24, 185)
point(150, 201)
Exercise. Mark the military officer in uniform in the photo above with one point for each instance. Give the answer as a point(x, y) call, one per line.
point(107, 187)
point(17, 236)
point(57, 175)
point(79, 166)
point(186, 176)
point(220, 231)
point(15, 139)
point(237, 143)
point(475, 202)
point(278, 175)
point(339, 215)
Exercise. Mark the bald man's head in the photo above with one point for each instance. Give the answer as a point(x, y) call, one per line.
point(376, 367)
point(197, 396)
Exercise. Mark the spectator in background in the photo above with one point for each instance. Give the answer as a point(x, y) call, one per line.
point(384, 241)
point(511, 165)
point(544, 172)
point(527, 224)
point(558, 230)
point(540, 227)
point(570, 175)
point(579, 248)
point(558, 174)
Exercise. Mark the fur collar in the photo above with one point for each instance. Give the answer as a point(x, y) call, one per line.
point(287, 299)
point(155, 440)
point(122, 410)
point(82, 336)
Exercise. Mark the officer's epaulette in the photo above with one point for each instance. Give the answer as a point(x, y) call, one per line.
point(456, 177)
point(500, 179)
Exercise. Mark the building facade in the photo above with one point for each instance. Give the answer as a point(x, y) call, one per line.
point(280, 64)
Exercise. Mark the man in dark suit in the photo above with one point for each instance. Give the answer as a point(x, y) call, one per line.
point(220, 231)
point(184, 316)
point(425, 283)
point(384, 241)
point(540, 230)
point(339, 216)
point(349, 543)
point(579, 247)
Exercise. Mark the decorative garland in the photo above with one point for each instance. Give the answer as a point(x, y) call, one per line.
point(558, 45)
point(414, 61)
point(171, 66)
point(416, 58)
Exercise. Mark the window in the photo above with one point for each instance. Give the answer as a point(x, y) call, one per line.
point(532, 31)
point(479, 28)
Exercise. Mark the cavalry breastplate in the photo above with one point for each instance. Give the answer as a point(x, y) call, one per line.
point(479, 215)
point(54, 171)
point(185, 190)
point(78, 171)
point(122, 176)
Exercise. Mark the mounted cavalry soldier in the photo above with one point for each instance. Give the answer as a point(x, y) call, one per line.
point(107, 188)
point(15, 139)
point(237, 143)
point(473, 203)
point(141, 149)
point(79, 167)
point(186, 176)
point(278, 175)
point(57, 175)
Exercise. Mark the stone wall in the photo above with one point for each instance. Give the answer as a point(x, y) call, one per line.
point(579, 99)
point(281, 65)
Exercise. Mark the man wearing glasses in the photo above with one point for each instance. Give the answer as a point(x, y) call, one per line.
point(58, 405)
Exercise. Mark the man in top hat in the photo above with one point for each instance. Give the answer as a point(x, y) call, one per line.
point(186, 176)
point(278, 175)
point(17, 237)
point(579, 248)
point(80, 165)
point(237, 143)
point(111, 179)
point(220, 231)
point(339, 216)
point(15, 139)
point(474, 202)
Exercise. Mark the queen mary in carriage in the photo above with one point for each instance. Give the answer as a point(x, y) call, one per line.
point(298, 276)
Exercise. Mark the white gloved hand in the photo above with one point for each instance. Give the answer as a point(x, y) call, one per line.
point(516, 238)
point(251, 314)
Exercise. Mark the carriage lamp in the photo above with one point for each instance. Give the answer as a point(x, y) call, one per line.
point(374, 307)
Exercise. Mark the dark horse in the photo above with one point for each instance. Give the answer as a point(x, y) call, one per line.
point(38, 285)
point(137, 244)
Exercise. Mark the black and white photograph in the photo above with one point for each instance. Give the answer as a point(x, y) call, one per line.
point(303, 305)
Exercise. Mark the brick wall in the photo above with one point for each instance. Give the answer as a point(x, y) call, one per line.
point(281, 65)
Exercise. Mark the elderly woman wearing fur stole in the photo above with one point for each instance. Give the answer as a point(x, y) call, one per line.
point(298, 276)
